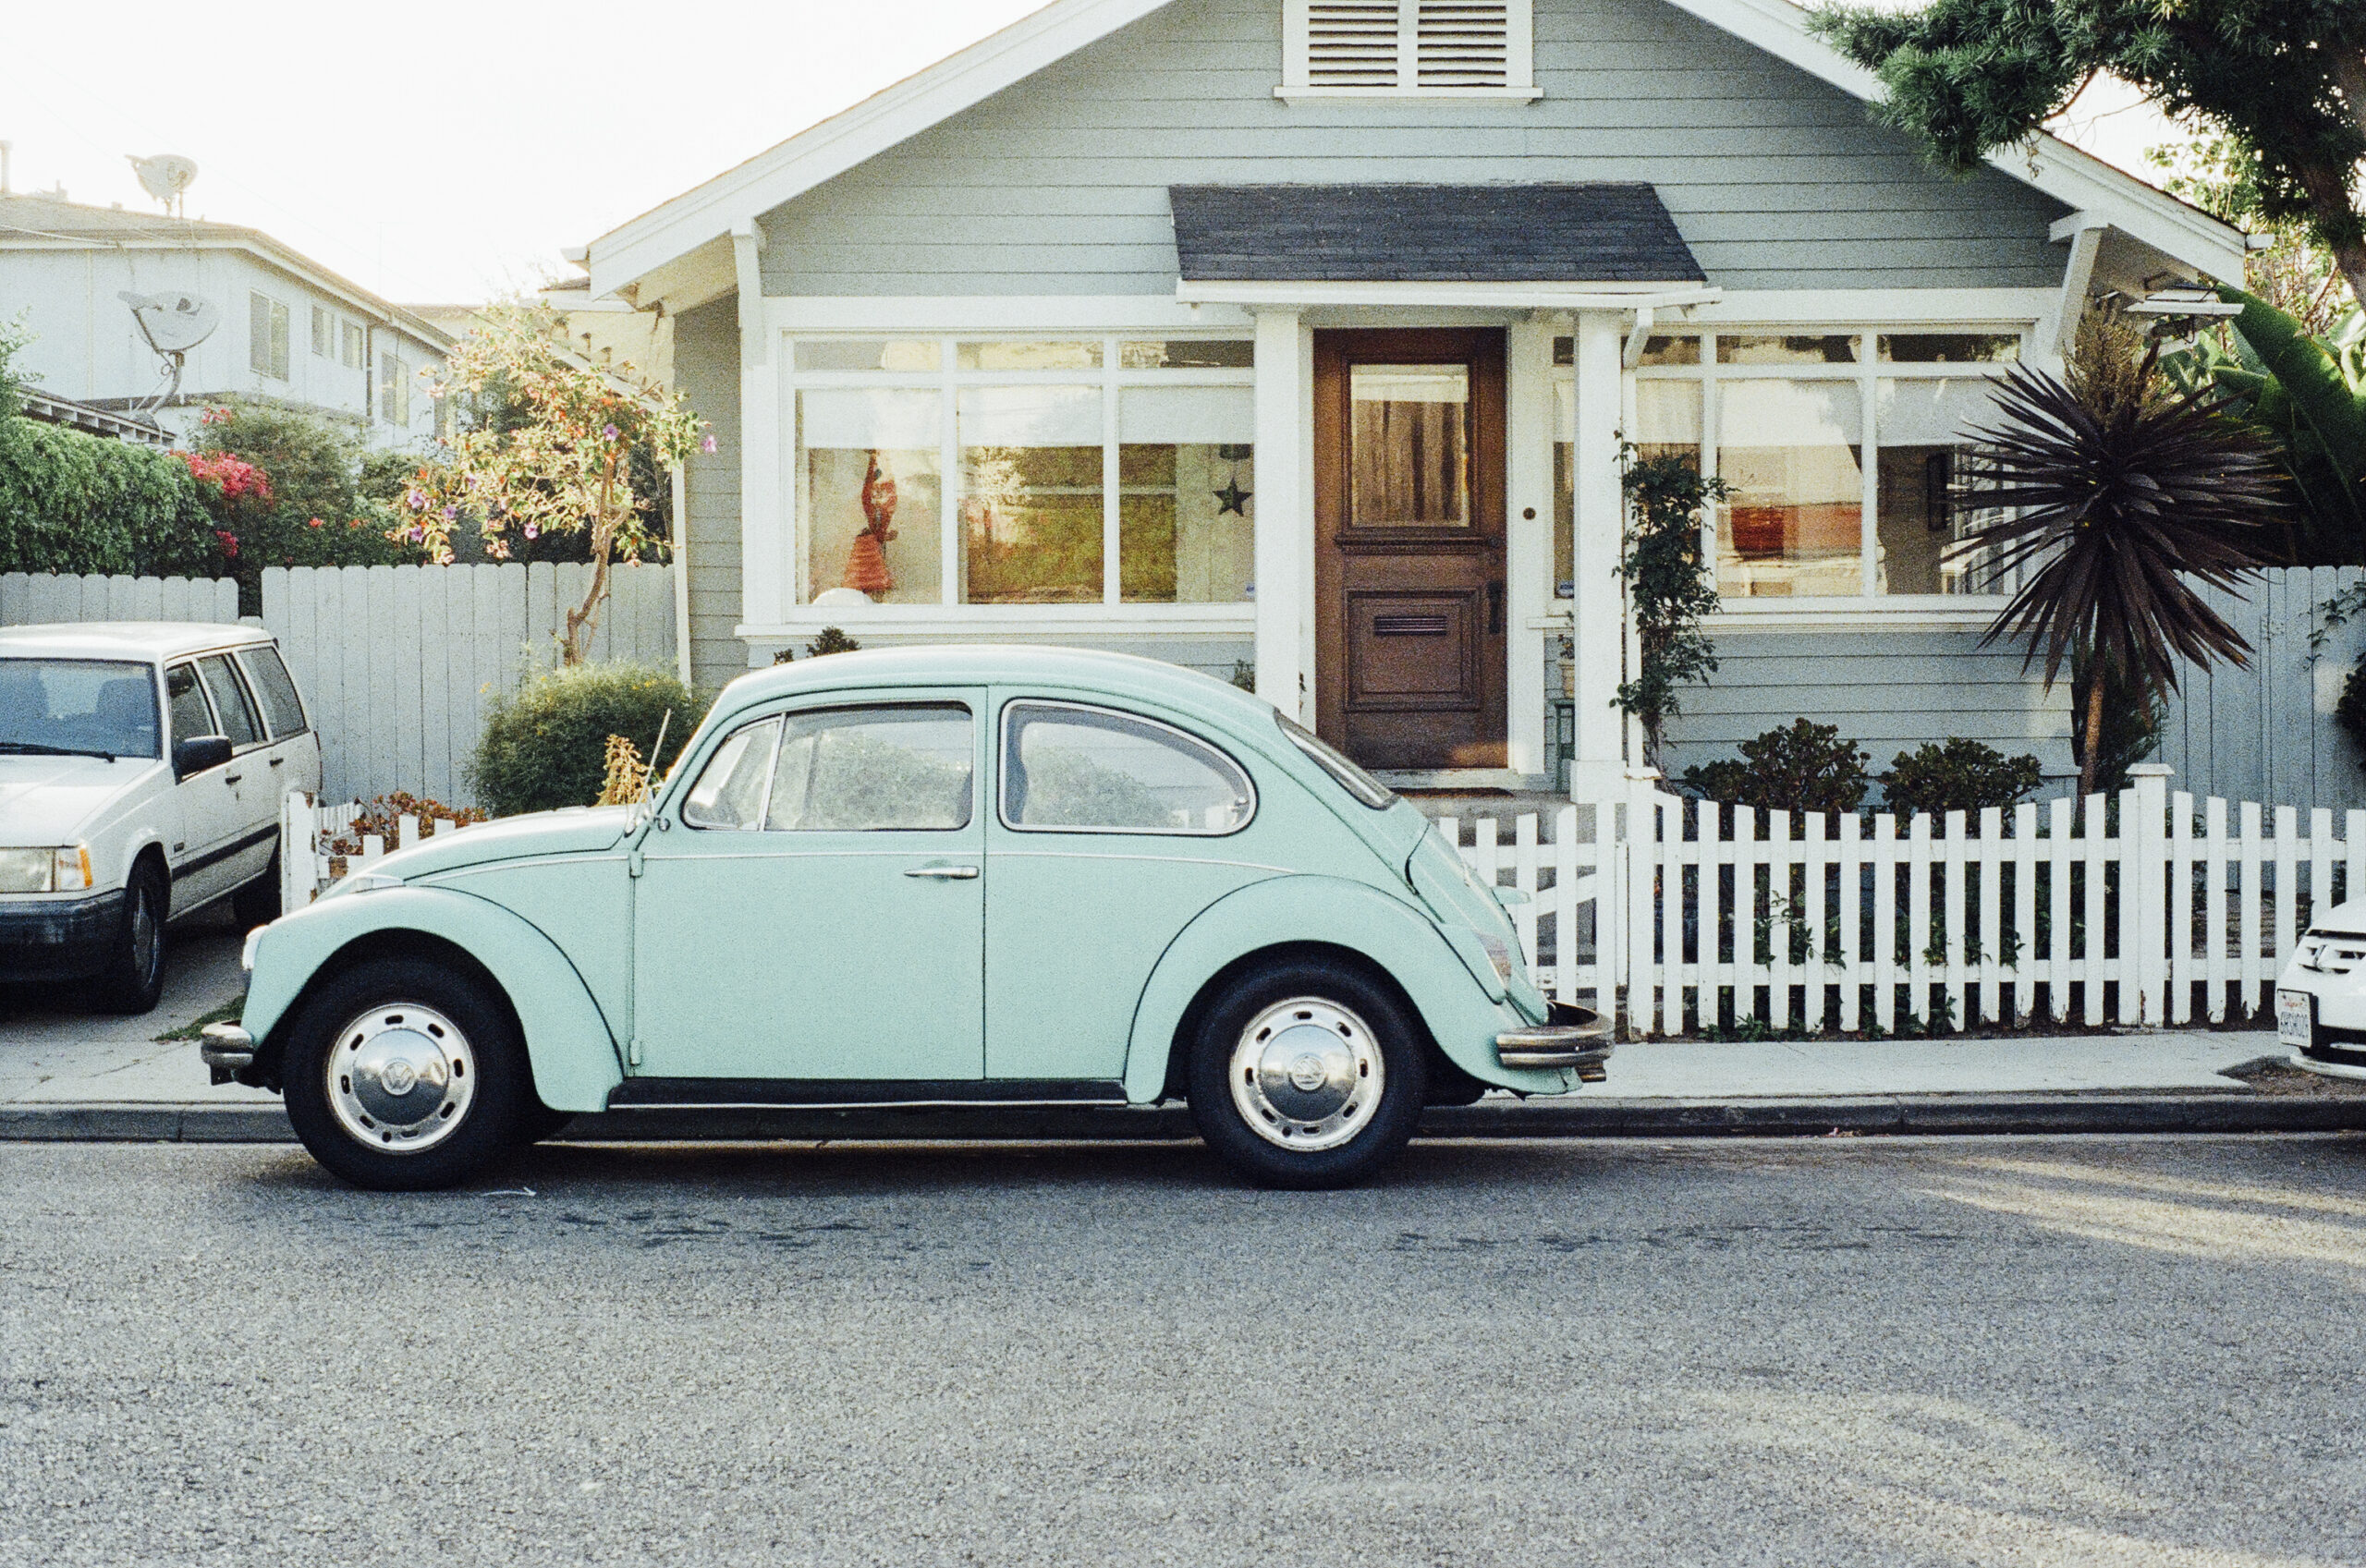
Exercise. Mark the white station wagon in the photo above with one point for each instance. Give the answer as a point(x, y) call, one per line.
point(143, 766)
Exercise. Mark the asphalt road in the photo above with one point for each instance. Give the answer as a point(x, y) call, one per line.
point(1993, 1351)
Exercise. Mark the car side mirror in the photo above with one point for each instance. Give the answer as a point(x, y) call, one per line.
point(198, 753)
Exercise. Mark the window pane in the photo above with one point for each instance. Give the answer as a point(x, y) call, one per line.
point(1409, 447)
point(279, 342)
point(875, 769)
point(921, 354)
point(1793, 524)
point(872, 506)
point(1838, 348)
point(238, 715)
point(729, 795)
point(89, 704)
point(352, 340)
point(1188, 353)
point(1564, 488)
point(258, 334)
point(186, 704)
point(1671, 351)
point(1075, 769)
point(1924, 425)
point(1667, 418)
point(268, 675)
point(1031, 494)
point(1951, 348)
point(1029, 357)
point(1565, 350)
point(322, 333)
point(1187, 478)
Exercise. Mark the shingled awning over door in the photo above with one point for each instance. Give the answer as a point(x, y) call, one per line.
point(1599, 232)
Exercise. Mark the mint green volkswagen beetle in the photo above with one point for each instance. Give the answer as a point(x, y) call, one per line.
point(927, 877)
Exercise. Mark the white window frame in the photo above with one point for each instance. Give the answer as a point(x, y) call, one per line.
point(270, 325)
point(947, 381)
point(1519, 75)
point(1866, 372)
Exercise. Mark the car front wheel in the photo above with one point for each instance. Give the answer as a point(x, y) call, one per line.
point(403, 1075)
point(1307, 1075)
point(134, 978)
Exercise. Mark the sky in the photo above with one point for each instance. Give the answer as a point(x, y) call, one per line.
point(448, 150)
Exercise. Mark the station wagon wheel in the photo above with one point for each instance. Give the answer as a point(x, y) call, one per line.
point(1306, 1074)
point(404, 1075)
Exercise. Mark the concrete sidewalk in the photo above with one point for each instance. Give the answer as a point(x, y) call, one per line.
point(67, 1072)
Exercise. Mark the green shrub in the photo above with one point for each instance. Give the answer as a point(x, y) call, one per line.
point(77, 502)
point(318, 513)
point(547, 745)
point(1958, 775)
point(1800, 767)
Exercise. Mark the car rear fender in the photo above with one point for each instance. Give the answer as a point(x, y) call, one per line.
point(1284, 913)
point(573, 1050)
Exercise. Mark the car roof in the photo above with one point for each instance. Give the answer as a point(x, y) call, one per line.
point(125, 640)
point(1083, 670)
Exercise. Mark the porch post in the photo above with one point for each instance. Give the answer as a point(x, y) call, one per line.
point(1284, 541)
point(1528, 533)
point(763, 523)
point(1598, 769)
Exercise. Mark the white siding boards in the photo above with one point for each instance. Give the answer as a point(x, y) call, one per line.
point(1057, 185)
point(1406, 47)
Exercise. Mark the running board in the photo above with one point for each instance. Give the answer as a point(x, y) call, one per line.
point(856, 1094)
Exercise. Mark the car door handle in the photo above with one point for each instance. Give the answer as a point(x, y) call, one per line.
point(946, 873)
point(232, 778)
point(279, 761)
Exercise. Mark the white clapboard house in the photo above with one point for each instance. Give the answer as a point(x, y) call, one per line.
point(1300, 337)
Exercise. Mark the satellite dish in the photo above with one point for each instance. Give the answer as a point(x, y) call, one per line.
point(173, 323)
point(166, 176)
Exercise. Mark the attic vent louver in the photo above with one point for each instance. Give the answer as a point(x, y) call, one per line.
point(1408, 48)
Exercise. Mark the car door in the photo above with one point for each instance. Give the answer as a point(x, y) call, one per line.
point(208, 801)
point(1112, 830)
point(815, 909)
point(255, 809)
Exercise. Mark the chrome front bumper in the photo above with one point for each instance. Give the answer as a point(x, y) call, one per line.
point(1574, 1037)
point(226, 1049)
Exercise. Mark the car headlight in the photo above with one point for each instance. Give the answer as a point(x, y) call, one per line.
point(66, 870)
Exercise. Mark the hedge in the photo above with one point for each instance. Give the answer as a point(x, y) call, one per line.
point(77, 502)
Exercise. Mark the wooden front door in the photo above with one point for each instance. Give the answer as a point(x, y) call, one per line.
point(1408, 559)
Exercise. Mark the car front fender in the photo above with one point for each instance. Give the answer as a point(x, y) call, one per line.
point(572, 1048)
point(1295, 911)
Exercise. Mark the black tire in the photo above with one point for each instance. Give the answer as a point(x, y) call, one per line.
point(420, 1005)
point(257, 903)
point(1335, 999)
point(134, 977)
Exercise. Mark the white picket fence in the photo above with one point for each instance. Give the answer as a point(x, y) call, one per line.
point(31, 599)
point(2154, 910)
point(400, 663)
point(309, 831)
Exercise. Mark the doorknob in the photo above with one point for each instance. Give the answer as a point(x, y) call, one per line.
point(946, 873)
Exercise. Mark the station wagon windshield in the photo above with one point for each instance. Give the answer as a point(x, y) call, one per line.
point(77, 708)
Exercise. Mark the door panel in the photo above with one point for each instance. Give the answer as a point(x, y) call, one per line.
point(803, 933)
point(201, 862)
point(255, 809)
point(1409, 442)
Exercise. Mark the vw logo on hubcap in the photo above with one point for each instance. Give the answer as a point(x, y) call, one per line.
point(399, 1076)
point(1307, 1072)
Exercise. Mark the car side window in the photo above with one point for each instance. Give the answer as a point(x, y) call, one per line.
point(887, 769)
point(185, 702)
point(230, 704)
point(267, 673)
point(1071, 769)
point(729, 794)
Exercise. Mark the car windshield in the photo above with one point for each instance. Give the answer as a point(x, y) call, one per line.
point(1352, 778)
point(77, 707)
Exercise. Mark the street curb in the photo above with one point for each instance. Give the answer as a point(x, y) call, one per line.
point(2203, 1110)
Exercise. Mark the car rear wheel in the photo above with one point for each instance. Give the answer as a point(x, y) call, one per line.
point(404, 1076)
point(134, 978)
point(1307, 1075)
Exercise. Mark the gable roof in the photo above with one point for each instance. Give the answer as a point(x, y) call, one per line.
point(38, 222)
point(740, 195)
point(1596, 232)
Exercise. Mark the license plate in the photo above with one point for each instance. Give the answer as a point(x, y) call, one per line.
point(2296, 1019)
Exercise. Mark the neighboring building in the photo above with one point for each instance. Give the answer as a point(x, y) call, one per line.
point(1304, 336)
point(290, 330)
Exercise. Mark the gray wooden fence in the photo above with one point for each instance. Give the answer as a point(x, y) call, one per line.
point(28, 599)
point(2267, 732)
point(399, 663)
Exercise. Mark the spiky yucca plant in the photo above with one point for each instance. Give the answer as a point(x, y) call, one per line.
point(2120, 497)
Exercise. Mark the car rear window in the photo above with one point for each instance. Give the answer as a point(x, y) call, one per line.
point(268, 674)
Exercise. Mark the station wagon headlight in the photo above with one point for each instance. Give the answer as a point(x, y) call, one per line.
point(65, 870)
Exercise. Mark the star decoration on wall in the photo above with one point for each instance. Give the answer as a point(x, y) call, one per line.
point(1232, 498)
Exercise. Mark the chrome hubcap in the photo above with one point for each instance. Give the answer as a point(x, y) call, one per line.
point(1307, 1075)
point(401, 1078)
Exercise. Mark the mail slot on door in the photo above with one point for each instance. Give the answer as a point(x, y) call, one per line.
point(1408, 626)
